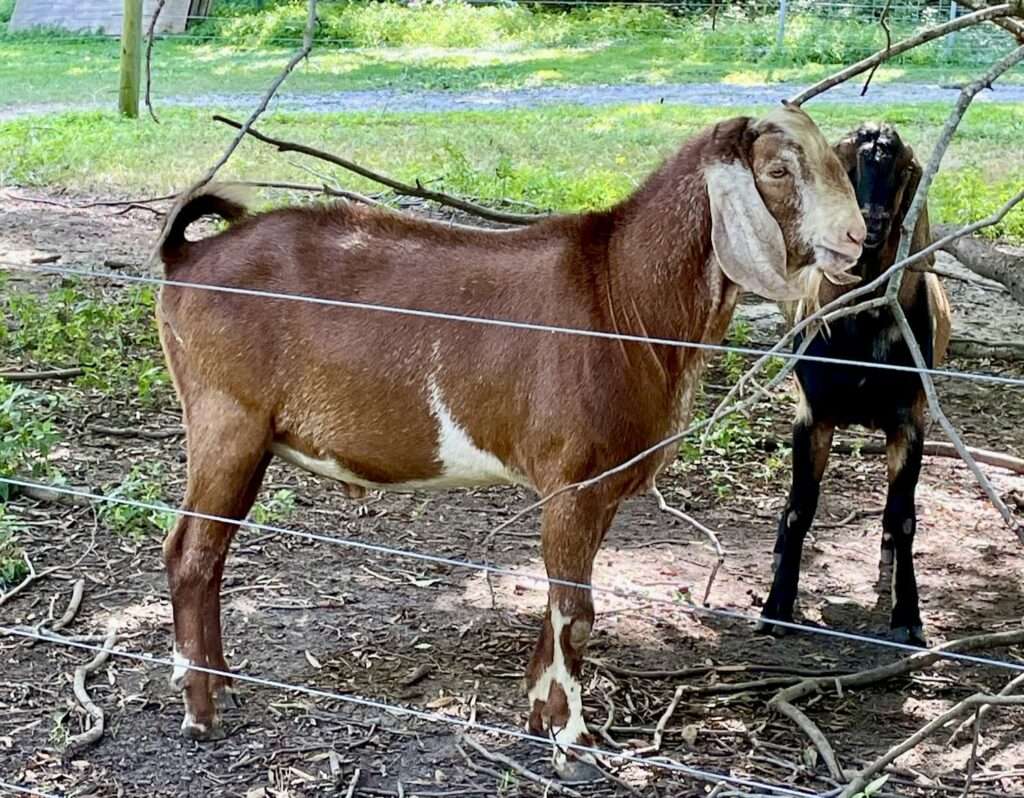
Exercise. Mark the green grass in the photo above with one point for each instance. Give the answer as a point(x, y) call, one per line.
point(454, 46)
point(114, 339)
point(563, 158)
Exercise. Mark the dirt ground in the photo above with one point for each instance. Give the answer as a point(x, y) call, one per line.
point(425, 636)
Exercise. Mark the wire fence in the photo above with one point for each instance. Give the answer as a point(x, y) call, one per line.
point(720, 612)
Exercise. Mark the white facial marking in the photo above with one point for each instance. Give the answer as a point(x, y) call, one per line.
point(181, 665)
point(558, 673)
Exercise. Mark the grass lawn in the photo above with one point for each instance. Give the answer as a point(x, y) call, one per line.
point(454, 46)
point(563, 158)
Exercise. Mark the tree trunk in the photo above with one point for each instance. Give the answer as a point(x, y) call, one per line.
point(986, 260)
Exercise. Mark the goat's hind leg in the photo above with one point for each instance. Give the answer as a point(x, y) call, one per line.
point(227, 457)
point(905, 448)
point(812, 441)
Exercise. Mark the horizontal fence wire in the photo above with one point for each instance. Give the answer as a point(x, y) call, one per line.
point(661, 763)
point(71, 271)
point(497, 570)
point(26, 790)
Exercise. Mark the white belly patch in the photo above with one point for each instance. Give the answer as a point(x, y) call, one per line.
point(463, 464)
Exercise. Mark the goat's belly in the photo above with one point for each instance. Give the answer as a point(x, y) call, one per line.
point(461, 465)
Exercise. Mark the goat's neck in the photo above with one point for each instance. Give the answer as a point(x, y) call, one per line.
point(662, 281)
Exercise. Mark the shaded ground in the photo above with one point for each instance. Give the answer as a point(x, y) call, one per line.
point(349, 622)
point(708, 94)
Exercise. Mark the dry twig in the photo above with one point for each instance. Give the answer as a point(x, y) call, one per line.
point(1012, 685)
point(659, 730)
point(860, 781)
point(927, 35)
point(708, 533)
point(883, 20)
point(406, 189)
point(149, 57)
point(783, 701)
point(526, 773)
point(93, 733)
point(30, 376)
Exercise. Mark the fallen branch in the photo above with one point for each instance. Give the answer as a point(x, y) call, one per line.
point(93, 733)
point(30, 376)
point(709, 534)
point(982, 711)
point(927, 35)
point(979, 348)
point(859, 782)
point(78, 206)
point(406, 189)
point(939, 449)
point(526, 773)
point(33, 576)
point(659, 730)
point(77, 592)
point(783, 701)
point(883, 20)
point(149, 57)
point(985, 260)
point(135, 432)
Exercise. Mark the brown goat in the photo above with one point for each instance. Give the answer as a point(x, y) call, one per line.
point(375, 400)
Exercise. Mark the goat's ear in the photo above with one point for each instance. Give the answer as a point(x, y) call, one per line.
point(846, 151)
point(911, 179)
point(745, 237)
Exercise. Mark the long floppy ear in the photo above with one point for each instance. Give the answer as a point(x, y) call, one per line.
point(745, 237)
point(911, 179)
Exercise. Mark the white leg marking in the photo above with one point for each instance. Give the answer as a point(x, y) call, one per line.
point(557, 673)
point(181, 665)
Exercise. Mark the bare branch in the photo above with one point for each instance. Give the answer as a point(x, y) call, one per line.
point(968, 704)
point(883, 20)
point(984, 259)
point(1011, 26)
point(966, 21)
point(708, 533)
point(398, 186)
point(783, 702)
point(149, 57)
point(1012, 685)
point(307, 45)
point(94, 732)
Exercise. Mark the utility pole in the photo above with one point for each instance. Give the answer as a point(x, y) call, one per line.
point(131, 58)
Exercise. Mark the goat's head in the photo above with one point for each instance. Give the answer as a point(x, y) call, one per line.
point(782, 209)
point(884, 174)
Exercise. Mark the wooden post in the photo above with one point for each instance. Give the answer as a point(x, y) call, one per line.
point(131, 58)
point(780, 36)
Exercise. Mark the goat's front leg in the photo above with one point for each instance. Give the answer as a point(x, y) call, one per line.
point(812, 441)
point(904, 447)
point(572, 530)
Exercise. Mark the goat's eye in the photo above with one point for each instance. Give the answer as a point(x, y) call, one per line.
point(778, 172)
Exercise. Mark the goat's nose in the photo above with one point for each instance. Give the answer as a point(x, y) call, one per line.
point(857, 234)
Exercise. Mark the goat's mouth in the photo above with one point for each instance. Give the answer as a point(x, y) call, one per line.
point(836, 265)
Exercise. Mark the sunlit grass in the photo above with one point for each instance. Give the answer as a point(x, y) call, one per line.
point(561, 158)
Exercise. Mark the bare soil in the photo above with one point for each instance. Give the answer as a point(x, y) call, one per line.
point(362, 624)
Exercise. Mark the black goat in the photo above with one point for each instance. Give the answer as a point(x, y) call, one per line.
point(885, 176)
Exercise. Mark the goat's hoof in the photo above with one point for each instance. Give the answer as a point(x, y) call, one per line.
point(767, 625)
point(910, 635)
point(191, 729)
point(575, 769)
point(226, 698)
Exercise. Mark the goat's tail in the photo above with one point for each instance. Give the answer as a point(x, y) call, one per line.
point(226, 200)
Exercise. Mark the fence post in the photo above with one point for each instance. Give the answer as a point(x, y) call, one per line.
point(131, 58)
point(951, 38)
point(780, 36)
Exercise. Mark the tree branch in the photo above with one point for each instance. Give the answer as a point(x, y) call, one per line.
point(149, 57)
point(398, 186)
point(1011, 26)
point(985, 260)
point(966, 21)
